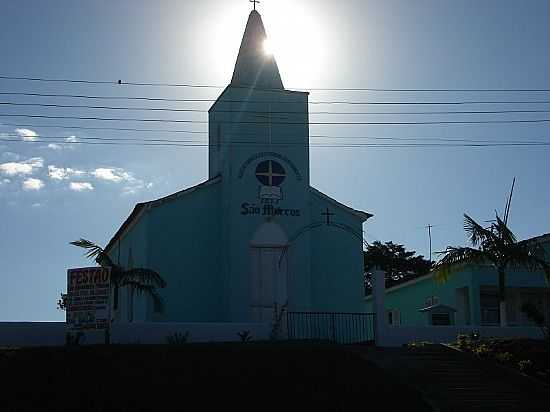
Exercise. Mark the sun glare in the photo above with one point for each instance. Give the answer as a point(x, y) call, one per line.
point(297, 42)
point(297, 38)
point(268, 49)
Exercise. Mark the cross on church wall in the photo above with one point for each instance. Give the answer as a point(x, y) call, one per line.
point(328, 215)
point(270, 174)
point(254, 1)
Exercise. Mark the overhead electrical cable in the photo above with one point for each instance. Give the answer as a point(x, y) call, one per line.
point(163, 109)
point(323, 137)
point(192, 85)
point(350, 145)
point(275, 122)
point(337, 102)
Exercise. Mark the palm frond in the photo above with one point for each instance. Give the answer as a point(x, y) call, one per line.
point(143, 276)
point(147, 289)
point(530, 256)
point(453, 258)
point(477, 234)
point(93, 249)
point(504, 233)
point(94, 252)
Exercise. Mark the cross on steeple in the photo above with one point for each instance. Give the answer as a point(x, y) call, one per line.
point(328, 214)
point(254, 1)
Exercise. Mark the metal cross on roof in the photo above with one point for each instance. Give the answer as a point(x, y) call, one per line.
point(328, 215)
point(254, 1)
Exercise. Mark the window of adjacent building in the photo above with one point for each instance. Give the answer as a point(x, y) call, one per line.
point(490, 313)
point(393, 316)
point(431, 300)
point(441, 319)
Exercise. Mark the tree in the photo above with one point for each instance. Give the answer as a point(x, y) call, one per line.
point(497, 246)
point(399, 264)
point(139, 279)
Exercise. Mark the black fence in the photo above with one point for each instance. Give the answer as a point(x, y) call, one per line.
point(333, 326)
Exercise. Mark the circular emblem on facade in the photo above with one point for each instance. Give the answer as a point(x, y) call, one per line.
point(270, 173)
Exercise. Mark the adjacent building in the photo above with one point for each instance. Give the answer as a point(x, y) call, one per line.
point(469, 297)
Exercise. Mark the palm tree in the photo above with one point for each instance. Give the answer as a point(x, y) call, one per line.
point(497, 246)
point(139, 279)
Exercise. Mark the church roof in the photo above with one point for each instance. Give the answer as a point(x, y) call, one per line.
point(359, 213)
point(254, 67)
point(140, 208)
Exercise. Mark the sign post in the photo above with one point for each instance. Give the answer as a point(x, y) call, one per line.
point(88, 300)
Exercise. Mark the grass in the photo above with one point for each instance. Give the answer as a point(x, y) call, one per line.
point(242, 376)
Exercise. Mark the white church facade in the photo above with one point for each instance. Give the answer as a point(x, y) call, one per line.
point(254, 234)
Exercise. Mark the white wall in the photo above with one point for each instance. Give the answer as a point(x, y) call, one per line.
point(53, 333)
point(157, 332)
point(32, 333)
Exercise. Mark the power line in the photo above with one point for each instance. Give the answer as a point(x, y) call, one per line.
point(123, 129)
point(351, 145)
point(274, 122)
point(336, 102)
point(324, 137)
point(191, 85)
point(163, 109)
point(179, 131)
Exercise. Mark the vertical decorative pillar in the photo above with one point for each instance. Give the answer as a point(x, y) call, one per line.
point(475, 303)
point(378, 293)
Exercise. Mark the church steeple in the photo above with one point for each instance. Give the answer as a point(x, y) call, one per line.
point(254, 67)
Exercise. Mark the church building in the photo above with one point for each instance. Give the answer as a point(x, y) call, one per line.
point(254, 234)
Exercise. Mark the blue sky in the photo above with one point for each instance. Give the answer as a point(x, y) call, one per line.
point(50, 195)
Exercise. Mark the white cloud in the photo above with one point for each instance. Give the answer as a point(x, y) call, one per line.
point(61, 173)
point(71, 139)
point(33, 184)
point(80, 186)
point(4, 181)
point(27, 135)
point(55, 146)
point(112, 174)
point(36, 205)
point(26, 167)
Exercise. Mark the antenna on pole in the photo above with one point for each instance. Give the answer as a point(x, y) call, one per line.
point(509, 202)
point(430, 237)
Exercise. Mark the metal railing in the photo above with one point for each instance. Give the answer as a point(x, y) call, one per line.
point(334, 326)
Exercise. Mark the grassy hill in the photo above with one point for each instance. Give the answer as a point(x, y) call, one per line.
point(247, 376)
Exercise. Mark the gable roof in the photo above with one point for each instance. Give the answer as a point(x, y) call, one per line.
point(364, 216)
point(141, 208)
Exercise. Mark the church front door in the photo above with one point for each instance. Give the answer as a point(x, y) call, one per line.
point(268, 281)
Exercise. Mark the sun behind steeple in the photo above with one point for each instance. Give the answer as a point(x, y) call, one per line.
point(254, 67)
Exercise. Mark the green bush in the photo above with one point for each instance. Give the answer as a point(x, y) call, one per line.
point(178, 338)
point(462, 341)
point(245, 336)
point(504, 357)
point(482, 351)
point(525, 366)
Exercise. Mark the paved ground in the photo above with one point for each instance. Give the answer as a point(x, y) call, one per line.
point(455, 382)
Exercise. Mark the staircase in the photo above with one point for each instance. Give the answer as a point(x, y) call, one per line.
point(454, 381)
